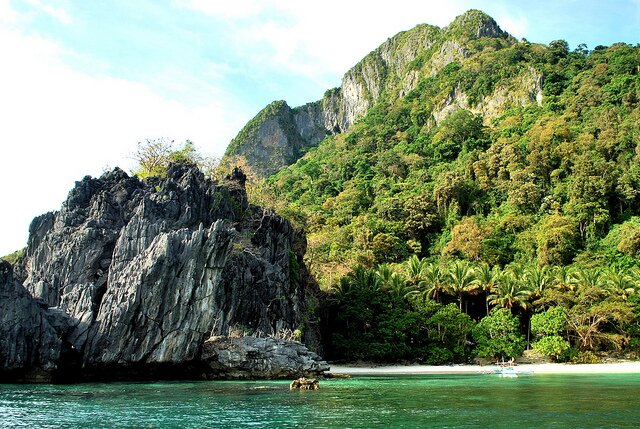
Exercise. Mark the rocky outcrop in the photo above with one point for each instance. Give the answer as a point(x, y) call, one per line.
point(523, 89)
point(133, 276)
point(29, 345)
point(254, 358)
point(304, 383)
point(279, 135)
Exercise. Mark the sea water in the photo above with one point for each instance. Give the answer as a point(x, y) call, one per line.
point(425, 401)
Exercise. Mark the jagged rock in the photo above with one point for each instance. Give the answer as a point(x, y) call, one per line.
point(159, 312)
point(303, 383)
point(255, 358)
point(523, 89)
point(131, 277)
point(29, 345)
point(279, 135)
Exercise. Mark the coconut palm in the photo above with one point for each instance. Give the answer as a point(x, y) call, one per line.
point(619, 282)
point(562, 279)
point(433, 281)
point(398, 286)
point(486, 277)
point(431, 286)
point(536, 280)
point(340, 290)
point(460, 279)
point(363, 278)
point(587, 278)
point(415, 268)
point(384, 274)
point(509, 292)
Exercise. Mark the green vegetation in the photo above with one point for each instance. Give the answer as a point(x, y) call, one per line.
point(153, 157)
point(427, 311)
point(517, 200)
point(498, 335)
point(14, 257)
point(276, 109)
point(490, 206)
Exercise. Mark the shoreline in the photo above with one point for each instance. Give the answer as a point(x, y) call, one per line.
point(542, 368)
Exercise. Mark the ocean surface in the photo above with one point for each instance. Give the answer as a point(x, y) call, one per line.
point(425, 401)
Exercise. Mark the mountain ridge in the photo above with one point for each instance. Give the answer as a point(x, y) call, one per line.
point(275, 138)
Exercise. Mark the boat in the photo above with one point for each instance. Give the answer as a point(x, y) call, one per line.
point(506, 369)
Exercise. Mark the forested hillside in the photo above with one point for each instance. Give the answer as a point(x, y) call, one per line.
point(490, 173)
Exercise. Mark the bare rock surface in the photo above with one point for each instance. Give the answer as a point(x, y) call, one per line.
point(279, 135)
point(131, 277)
point(29, 346)
point(251, 358)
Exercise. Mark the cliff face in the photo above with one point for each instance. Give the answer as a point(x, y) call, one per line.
point(279, 135)
point(27, 339)
point(133, 275)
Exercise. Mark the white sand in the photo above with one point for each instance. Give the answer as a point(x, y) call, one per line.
point(546, 368)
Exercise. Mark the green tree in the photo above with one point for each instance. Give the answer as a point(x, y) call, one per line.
point(557, 240)
point(460, 280)
point(596, 321)
point(449, 332)
point(486, 277)
point(549, 329)
point(498, 335)
point(509, 292)
point(153, 157)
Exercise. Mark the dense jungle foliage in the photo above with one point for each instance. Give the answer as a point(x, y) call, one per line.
point(494, 207)
point(533, 209)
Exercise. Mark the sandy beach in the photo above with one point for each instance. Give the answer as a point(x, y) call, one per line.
point(545, 368)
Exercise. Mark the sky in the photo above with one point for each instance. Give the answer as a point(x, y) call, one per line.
point(81, 82)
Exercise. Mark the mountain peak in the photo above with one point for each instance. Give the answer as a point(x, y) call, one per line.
point(475, 24)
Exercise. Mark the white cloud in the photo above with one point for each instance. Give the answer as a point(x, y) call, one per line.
point(7, 14)
point(59, 124)
point(225, 9)
point(517, 26)
point(316, 39)
point(57, 13)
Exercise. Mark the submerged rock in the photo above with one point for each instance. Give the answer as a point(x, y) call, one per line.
point(253, 358)
point(130, 277)
point(305, 384)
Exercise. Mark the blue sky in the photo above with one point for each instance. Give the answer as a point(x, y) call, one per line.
point(82, 81)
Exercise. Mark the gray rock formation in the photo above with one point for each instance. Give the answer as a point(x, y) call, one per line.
point(279, 135)
point(254, 358)
point(134, 276)
point(29, 345)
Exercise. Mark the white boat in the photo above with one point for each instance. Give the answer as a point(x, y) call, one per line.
point(507, 371)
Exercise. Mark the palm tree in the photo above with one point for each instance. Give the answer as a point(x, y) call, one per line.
point(340, 290)
point(460, 280)
point(398, 286)
point(619, 282)
point(536, 280)
point(416, 269)
point(486, 277)
point(433, 281)
point(587, 278)
point(509, 292)
point(393, 283)
point(384, 274)
point(562, 278)
point(364, 279)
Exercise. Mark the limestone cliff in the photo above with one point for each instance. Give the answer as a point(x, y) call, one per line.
point(279, 135)
point(132, 277)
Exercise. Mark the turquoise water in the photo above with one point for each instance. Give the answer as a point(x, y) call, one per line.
point(444, 401)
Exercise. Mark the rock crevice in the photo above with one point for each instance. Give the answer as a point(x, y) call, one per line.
point(131, 276)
